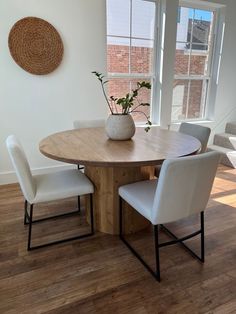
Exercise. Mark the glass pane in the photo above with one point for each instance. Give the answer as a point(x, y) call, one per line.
point(143, 19)
point(118, 17)
point(184, 24)
point(189, 98)
point(197, 95)
point(143, 97)
point(182, 59)
point(199, 62)
point(193, 33)
point(118, 55)
point(141, 58)
point(180, 99)
point(120, 87)
point(202, 24)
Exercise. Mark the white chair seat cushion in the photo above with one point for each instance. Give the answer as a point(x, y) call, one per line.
point(61, 184)
point(140, 195)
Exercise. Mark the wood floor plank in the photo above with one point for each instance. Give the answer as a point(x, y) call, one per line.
point(99, 274)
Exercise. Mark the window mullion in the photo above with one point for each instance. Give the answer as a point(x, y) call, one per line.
point(130, 75)
point(157, 65)
point(192, 77)
point(194, 94)
point(130, 37)
point(191, 43)
point(189, 65)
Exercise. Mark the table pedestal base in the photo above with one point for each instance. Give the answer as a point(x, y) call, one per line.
point(107, 180)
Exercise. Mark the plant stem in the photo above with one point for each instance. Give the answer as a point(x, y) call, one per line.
point(114, 106)
point(138, 111)
point(104, 93)
point(136, 106)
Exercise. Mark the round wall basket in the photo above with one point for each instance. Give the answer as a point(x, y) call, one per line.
point(35, 45)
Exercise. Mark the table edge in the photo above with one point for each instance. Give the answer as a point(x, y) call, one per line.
point(111, 164)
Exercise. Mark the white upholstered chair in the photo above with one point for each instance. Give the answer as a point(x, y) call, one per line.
point(183, 189)
point(202, 133)
point(47, 187)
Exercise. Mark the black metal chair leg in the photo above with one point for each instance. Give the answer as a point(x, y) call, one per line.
point(30, 247)
point(79, 204)
point(158, 245)
point(91, 214)
point(80, 167)
point(156, 241)
point(26, 213)
point(26, 216)
point(120, 216)
point(202, 238)
point(30, 226)
point(200, 257)
point(156, 274)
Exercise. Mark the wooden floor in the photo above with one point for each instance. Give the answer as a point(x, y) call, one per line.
point(99, 274)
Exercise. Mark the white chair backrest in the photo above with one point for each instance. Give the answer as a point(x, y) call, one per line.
point(79, 124)
point(233, 141)
point(21, 166)
point(202, 133)
point(184, 186)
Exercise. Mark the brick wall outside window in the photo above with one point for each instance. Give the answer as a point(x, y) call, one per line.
point(140, 59)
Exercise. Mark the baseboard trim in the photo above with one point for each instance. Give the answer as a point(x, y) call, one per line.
point(8, 177)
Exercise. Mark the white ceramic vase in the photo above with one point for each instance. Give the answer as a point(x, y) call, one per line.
point(120, 127)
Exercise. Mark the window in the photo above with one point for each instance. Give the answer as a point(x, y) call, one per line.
point(130, 48)
point(193, 63)
point(138, 48)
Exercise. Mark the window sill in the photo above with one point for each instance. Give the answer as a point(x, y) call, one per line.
point(193, 122)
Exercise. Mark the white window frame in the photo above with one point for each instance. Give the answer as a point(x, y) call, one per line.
point(152, 77)
point(162, 76)
point(214, 56)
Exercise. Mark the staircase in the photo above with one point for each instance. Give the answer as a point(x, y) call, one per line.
point(223, 145)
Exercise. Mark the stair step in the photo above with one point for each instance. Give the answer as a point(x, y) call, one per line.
point(231, 128)
point(223, 140)
point(228, 156)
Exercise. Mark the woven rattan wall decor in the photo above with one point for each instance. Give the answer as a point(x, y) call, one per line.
point(35, 45)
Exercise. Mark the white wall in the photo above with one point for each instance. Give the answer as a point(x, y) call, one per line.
point(32, 106)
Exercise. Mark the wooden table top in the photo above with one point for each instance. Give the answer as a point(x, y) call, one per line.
point(92, 147)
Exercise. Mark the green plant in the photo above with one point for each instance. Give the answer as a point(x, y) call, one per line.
point(129, 103)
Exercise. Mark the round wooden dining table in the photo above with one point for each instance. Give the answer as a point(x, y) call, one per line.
point(110, 164)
